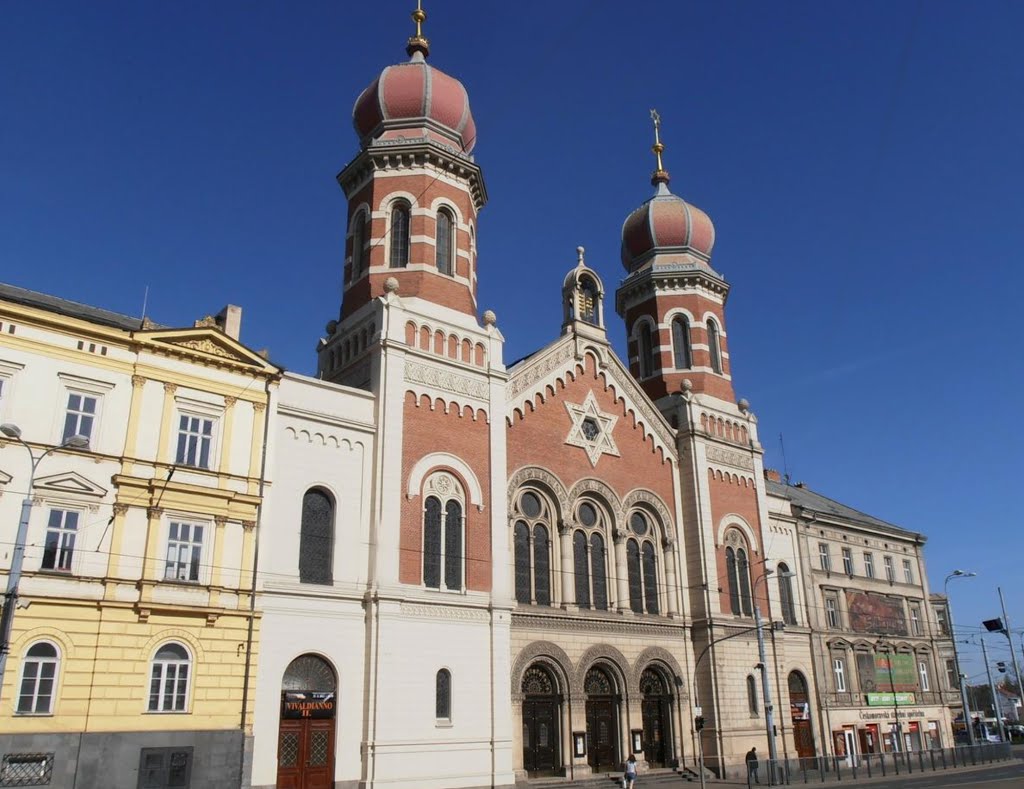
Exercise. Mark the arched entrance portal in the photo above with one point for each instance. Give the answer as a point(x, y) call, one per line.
point(602, 721)
point(655, 707)
point(305, 741)
point(800, 711)
point(540, 722)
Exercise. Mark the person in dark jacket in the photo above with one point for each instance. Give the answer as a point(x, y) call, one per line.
point(752, 766)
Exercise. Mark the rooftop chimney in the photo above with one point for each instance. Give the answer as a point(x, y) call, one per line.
point(772, 475)
point(229, 320)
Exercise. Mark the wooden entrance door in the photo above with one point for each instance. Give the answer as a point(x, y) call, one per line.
point(804, 739)
point(655, 717)
point(602, 734)
point(305, 754)
point(540, 736)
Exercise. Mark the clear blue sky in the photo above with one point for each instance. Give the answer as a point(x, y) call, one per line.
point(862, 163)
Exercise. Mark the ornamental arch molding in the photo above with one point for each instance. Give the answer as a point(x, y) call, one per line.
point(440, 460)
point(552, 656)
point(614, 660)
point(544, 479)
point(661, 658)
point(640, 496)
point(603, 491)
point(732, 520)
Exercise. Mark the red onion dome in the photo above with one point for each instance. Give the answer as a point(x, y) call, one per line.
point(665, 223)
point(416, 95)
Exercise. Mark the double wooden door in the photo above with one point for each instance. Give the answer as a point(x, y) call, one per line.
point(305, 754)
point(602, 734)
point(655, 712)
point(540, 736)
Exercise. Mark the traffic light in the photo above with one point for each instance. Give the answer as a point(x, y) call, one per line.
point(698, 722)
point(1001, 666)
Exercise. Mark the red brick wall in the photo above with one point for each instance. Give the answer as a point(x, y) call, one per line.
point(425, 431)
point(730, 496)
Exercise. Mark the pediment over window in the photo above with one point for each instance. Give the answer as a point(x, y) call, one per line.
point(69, 482)
point(206, 343)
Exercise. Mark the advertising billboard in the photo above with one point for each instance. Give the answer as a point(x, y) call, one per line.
point(871, 613)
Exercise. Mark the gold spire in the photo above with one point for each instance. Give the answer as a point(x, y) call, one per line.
point(418, 42)
point(660, 175)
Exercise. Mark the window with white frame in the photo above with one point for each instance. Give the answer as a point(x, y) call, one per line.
point(59, 547)
point(952, 679)
point(184, 551)
point(38, 679)
point(890, 573)
point(195, 441)
point(869, 564)
point(915, 620)
point(847, 561)
point(839, 670)
point(832, 611)
point(169, 679)
point(824, 557)
point(922, 670)
point(80, 415)
point(942, 617)
point(443, 695)
point(908, 571)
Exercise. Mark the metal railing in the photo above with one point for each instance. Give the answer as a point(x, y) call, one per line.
point(818, 769)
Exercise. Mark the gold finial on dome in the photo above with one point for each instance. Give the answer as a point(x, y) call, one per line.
point(418, 42)
point(660, 175)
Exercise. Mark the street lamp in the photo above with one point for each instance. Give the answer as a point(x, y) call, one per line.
point(18, 556)
point(956, 657)
point(766, 691)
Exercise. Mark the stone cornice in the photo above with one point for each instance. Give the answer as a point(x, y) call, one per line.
point(666, 278)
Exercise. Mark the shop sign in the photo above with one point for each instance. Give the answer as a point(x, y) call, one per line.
point(307, 704)
point(887, 700)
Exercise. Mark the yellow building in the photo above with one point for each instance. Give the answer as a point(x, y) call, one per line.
point(135, 636)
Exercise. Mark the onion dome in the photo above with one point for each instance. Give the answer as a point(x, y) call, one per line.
point(415, 95)
point(666, 222)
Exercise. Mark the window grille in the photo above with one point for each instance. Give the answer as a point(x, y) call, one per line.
point(316, 538)
point(26, 769)
point(165, 768)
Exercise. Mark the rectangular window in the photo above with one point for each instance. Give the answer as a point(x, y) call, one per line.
point(823, 556)
point(869, 564)
point(26, 769)
point(847, 561)
point(915, 620)
point(59, 548)
point(195, 435)
point(908, 572)
point(943, 619)
point(80, 416)
point(839, 669)
point(832, 612)
point(922, 670)
point(184, 551)
point(952, 680)
point(165, 767)
point(890, 573)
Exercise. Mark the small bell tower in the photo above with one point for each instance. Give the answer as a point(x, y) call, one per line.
point(583, 300)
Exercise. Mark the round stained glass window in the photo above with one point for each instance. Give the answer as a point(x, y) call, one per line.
point(638, 523)
point(587, 514)
point(530, 505)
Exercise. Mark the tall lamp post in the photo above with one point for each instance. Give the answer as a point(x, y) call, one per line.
point(766, 691)
point(18, 556)
point(956, 656)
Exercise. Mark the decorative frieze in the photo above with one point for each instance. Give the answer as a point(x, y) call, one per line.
point(542, 368)
point(444, 612)
point(730, 457)
point(446, 380)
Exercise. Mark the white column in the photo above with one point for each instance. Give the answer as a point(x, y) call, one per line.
point(568, 566)
point(621, 574)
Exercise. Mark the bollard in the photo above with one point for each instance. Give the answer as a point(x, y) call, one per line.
point(881, 760)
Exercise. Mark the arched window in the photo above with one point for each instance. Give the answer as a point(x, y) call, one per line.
point(636, 593)
point(650, 561)
point(681, 343)
point(645, 350)
point(532, 548)
point(316, 538)
point(597, 572)
point(714, 349)
point(169, 679)
point(358, 245)
point(38, 679)
point(590, 558)
point(589, 301)
point(786, 594)
point(444, 245)
point(442, 533)
point(581, 569)
point(752, 695)
point(443, 695)
point(400, 235)
point(737, 570)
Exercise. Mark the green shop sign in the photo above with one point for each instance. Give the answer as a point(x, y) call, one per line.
point(887, 700)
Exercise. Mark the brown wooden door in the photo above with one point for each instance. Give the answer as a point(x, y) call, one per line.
point(540, 737)
point(804, 739)
point(602, 735)
point(305, 754)
point(655, 718)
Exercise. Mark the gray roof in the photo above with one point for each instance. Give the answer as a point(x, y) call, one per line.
point(73, 309)
point(804, 497)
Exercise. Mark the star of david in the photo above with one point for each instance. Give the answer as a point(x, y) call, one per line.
point(591, 429)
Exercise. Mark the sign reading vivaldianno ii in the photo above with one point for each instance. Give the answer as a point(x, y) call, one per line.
point(307, 704)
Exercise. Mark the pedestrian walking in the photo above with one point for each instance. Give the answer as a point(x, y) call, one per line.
point(752, 766)
point(629, 779)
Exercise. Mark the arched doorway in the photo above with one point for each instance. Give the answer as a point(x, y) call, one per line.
point(305, 742)
point(602, 721)
point(655, 708)
point(541, 755)
point(800, 713)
